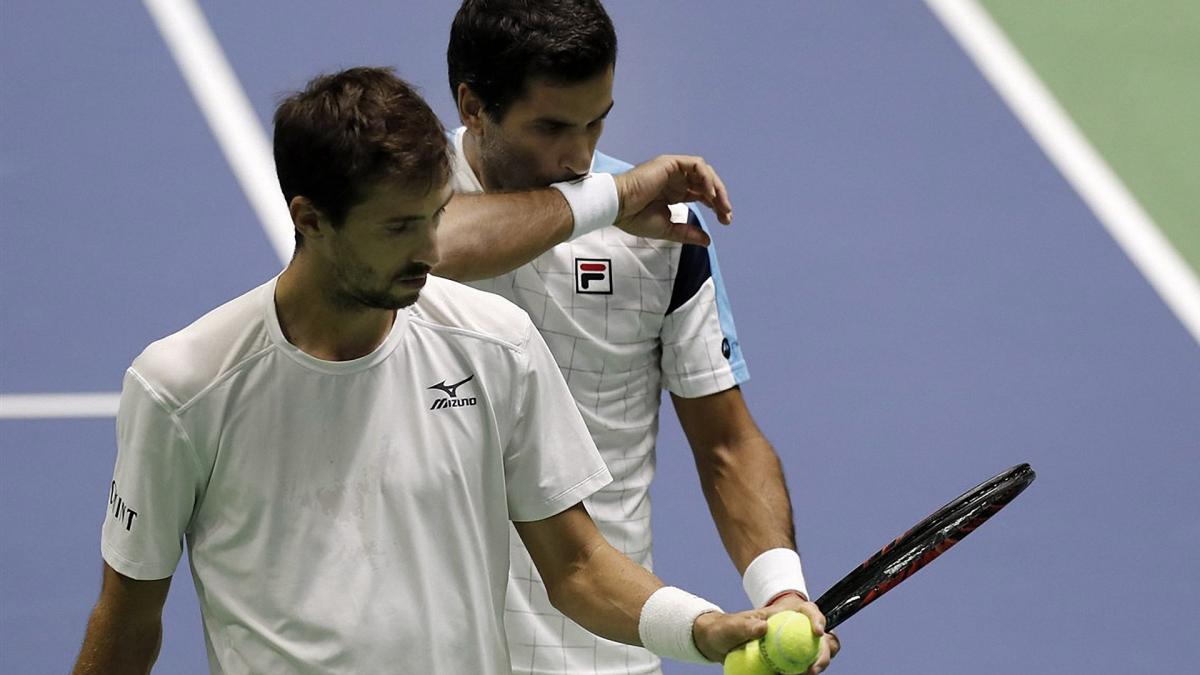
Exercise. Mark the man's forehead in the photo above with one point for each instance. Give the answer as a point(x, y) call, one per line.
point(400, 197)
point(580, 101)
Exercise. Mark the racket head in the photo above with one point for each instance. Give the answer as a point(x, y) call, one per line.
point(921, 544)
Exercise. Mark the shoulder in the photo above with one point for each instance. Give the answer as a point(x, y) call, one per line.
point(182, 365)
point(451, 307)
point(607, 164)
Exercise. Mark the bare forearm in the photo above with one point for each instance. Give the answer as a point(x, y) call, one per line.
point(116, 646)
point(483, 236)
point(605, 593)
point(746, 492)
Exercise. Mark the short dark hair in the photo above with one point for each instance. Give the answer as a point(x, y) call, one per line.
point(344, 131)
point(496, 46)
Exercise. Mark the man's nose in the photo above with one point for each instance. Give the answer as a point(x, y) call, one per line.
point(577, 159)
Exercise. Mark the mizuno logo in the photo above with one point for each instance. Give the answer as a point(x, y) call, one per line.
point(451, 390)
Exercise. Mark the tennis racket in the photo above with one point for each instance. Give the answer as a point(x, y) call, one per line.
point(916, 548)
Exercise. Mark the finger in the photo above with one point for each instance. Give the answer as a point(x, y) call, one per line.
point(815, 617)
point(824, 656)
point(733, 632)
point(702, 180)
point(835, 644)
point(723, 206)
point(749, 626)
point(710, 181)
point(711, 191)
point(688, 234)
point(716, 195)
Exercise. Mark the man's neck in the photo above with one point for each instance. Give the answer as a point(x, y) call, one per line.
point(471, 151)
point(314, 321)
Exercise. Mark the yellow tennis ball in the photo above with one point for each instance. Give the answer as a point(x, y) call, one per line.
point(747, 660)
point(789, 645)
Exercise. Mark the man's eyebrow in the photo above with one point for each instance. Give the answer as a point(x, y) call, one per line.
point(555, 121)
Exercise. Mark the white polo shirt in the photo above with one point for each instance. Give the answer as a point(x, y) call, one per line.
point(625, 318)
point(346, 517)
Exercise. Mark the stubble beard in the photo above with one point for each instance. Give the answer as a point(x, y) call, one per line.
point(506, 169)
point(352, 292)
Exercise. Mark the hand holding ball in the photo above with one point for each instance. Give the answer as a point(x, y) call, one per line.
point(789, 647)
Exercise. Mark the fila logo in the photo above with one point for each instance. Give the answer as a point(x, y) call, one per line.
point(451, 390)
point(593, 275)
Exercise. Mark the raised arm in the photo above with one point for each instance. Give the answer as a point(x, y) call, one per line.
point(125, 629)
point(485, 235)
point(606, 593)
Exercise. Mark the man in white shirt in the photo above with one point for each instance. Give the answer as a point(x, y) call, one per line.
point(624, 315)
point(343, 447)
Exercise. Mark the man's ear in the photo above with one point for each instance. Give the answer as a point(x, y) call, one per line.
point(470, 109)
point(307, 218)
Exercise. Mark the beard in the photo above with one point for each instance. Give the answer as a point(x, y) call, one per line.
point(508, 168)
point(359, 288)
point(380, 299)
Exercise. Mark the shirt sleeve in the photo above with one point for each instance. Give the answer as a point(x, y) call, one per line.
point(154, 487)
point(550, 461)
point(700, 350)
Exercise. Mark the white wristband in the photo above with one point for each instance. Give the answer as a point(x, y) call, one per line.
point(666, 623)
point(593, 200)
point(772, 573)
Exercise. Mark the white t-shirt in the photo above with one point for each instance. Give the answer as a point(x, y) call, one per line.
point(624, 318)
point(346, 517)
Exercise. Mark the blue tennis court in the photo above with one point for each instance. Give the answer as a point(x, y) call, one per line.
point(922, 297)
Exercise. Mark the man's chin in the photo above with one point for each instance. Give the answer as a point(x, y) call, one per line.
point(391, 301)
point(406, 301)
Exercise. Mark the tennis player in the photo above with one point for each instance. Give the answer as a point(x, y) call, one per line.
point(624, 315)
point(343, 447)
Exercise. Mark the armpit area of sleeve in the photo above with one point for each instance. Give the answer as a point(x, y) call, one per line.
point(134, 569)
point(521, 511)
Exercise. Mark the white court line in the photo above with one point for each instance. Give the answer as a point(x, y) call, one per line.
point(244, 143)
point(1127, 222)
point(229, 113)
point(245, 146)
point(42, 406)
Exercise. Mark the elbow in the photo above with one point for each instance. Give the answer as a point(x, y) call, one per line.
point(716, 462)
point(730, 456)
point(561, 594)
point(564, 591)
point(571, 587)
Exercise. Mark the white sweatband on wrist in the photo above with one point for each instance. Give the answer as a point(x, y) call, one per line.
point(593, 200)
point(772, 574)
point(666, 623)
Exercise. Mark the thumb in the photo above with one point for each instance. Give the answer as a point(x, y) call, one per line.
point(745, 627)
point(717, 634)
point(686, 233)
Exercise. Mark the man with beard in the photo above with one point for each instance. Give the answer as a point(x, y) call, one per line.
point(343, 447)
point(623, 315)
